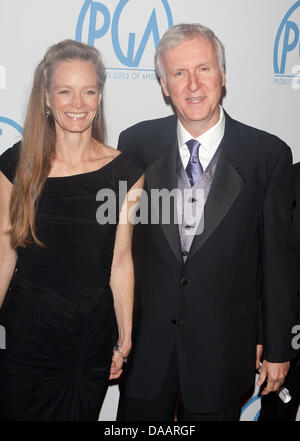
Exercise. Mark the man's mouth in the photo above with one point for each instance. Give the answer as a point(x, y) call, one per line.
point(196, 100)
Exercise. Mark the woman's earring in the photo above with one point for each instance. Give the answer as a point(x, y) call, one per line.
point(96, 115)
point(48, 113)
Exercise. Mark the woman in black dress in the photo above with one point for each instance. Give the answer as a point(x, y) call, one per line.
point(66, 275)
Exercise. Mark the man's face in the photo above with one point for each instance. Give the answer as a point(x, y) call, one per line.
point(194, 83)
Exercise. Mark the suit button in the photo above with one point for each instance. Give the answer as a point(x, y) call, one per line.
point(185, 253)
point(174, 321)
point(180, 322)
point(183, 281)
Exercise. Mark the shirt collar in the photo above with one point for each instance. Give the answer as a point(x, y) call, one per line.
point(208, 139)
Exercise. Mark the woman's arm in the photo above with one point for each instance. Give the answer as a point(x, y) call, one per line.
point(8, 256)
point(122, 278)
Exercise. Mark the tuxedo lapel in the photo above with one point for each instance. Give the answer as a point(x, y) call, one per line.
point(227, 184)
point(161, 174)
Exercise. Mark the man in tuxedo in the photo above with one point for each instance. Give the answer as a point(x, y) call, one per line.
point(198, 282)
point(273, 408)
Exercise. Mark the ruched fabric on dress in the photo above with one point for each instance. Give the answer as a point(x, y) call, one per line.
point(58, 313)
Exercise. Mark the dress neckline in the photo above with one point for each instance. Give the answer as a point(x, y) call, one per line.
point(53, 178)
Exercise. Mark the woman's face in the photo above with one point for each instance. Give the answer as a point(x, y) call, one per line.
point(74, 96)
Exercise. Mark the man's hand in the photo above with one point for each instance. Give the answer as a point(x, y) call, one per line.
point(274, 374)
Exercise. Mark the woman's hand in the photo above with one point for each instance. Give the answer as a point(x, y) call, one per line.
point(118, 359)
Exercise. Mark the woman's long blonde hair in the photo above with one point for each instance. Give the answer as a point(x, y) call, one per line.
point(38, 141)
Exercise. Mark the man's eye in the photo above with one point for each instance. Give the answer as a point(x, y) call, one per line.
point(91, 92)
point(63, 92)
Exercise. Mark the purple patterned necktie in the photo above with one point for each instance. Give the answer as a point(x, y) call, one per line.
point(194, 169)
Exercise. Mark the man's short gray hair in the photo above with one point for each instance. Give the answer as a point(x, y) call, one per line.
point(180, 33)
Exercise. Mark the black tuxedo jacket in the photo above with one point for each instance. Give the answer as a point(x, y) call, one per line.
point(207, 306)
point(296, 169)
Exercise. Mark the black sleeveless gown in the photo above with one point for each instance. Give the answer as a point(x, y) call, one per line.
point(58, 313)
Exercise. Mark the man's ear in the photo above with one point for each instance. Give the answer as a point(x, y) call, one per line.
point(164, 87)
point(223, 79)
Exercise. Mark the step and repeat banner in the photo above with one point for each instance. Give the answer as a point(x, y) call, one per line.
point(262, 42)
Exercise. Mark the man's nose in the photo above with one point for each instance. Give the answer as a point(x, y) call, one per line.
point(194, 82)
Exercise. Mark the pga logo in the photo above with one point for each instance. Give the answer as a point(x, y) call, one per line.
point(8, 128)
point(286, 57)
point(251, 410)
point(129, 29)
point(10, 132)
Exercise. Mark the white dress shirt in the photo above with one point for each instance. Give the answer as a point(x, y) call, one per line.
point(209, 142)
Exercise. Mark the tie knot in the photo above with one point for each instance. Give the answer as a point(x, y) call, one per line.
point(193, 146)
